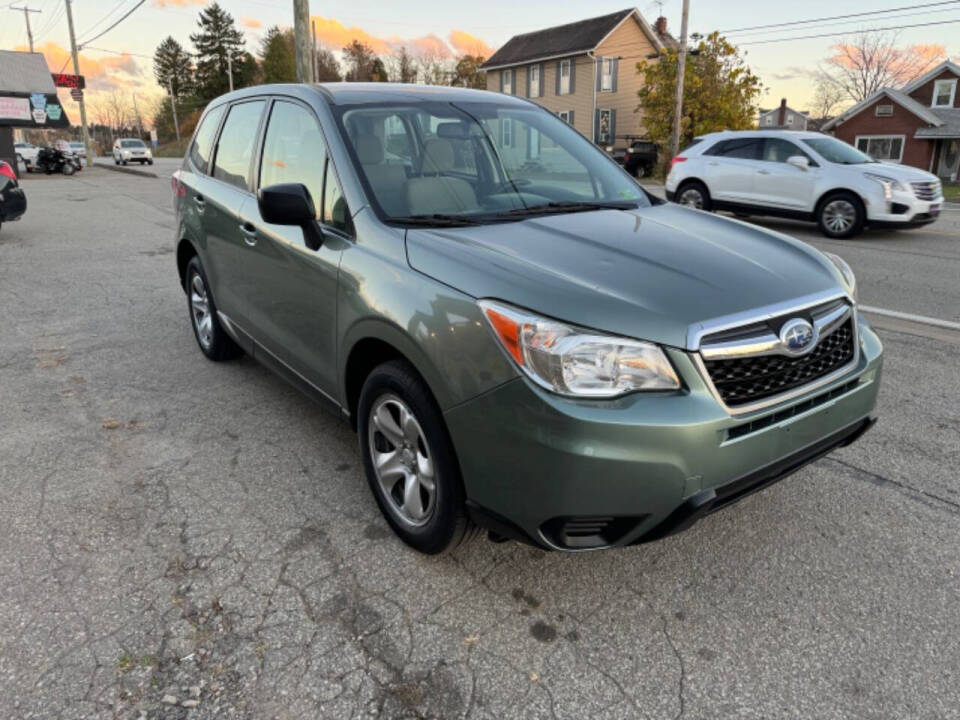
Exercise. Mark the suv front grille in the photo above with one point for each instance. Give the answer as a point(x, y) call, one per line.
point(745, 380)
point(926, 190)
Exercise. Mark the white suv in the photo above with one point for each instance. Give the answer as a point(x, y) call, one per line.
point(131, 150)
point(803, 175)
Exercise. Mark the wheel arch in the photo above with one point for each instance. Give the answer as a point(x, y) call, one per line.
point(185, 252)
point(838, 191)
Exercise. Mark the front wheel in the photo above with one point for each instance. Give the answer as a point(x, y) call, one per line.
point(841, 215)
point(409, 459)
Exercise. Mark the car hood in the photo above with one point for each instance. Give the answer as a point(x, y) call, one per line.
point(651, 273)
point(903, 173)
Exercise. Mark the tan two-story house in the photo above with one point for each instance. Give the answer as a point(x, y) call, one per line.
point(585, 72)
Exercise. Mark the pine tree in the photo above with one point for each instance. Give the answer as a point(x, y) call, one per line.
point(172, 67)
point(359, 59)
point(278, 63)
point(328, 69)
point(218, 37)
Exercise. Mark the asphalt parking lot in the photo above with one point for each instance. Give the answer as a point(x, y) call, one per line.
point(174, 530)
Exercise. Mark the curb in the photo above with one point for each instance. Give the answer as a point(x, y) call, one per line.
point(127, 170)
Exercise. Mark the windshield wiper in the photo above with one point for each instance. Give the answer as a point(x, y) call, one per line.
point(552, 208)
point(438, 220)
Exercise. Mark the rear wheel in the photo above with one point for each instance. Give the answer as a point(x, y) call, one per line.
point(409, 459)
point(639, 171)
point(211, 337)
point(841, 215)
point(69, 168)
point(694, 193)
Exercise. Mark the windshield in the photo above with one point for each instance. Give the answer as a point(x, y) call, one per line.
point(469, 162)
point(131, 143)
point(837, 151)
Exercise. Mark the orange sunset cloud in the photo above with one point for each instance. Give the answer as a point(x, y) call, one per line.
point(251, 23)
point(464, 42)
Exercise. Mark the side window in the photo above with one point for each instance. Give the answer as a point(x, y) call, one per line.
point(336, 214)
point(740, 148)
point(202, 147)
point(235, 148)
point(293, 150)
point(778, 150)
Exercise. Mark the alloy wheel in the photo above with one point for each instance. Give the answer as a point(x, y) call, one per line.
point(402, 460)
point(200, 311)
point(839, 216)
point(692, 197)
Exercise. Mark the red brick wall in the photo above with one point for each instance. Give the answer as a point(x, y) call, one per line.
point(917, 153)
point(924, 93)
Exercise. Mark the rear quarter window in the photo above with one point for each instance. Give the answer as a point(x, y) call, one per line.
point(202, 147)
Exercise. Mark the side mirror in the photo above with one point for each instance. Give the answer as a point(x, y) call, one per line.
point(291, 204)
point(798, 161)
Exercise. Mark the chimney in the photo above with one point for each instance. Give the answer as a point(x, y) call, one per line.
point(782, 115)
point(661, 26)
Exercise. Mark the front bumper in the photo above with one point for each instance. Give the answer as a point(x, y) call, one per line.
point(13, 204)
point(550, 471)
point(902, 209)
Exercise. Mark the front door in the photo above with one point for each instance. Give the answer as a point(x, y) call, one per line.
point(781, 185)
point(731, 166)
point(292, 292)
point(950, 160)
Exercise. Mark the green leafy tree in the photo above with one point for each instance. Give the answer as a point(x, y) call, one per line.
point(217, 38)
point(172, 67)
point(328, 69)
point(278, 61)
point(468, 73)
point(719, 92)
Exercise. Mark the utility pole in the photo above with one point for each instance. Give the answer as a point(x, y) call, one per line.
point(230, 68)
point(26, 16)
point(301, 36)
point(173, 106)
point(76, 70)
point(313, 50)
point(137, 113)
point(681, 69)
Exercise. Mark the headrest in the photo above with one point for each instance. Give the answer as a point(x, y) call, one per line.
point(437, 155)
point(451, 130)
point(369, 149)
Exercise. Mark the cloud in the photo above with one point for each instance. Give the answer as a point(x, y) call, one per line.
point(95, 70)
point(429, 46)
point(177, 3)
point(793, 72)
point(251, 23)
point(334, 33)
point(467, 44)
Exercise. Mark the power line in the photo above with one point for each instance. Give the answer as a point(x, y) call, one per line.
point(750, 33)
point(847, 32)
point(124, 17)
point(840, 17)
point(104, 18)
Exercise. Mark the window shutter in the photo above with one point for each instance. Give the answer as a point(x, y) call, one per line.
point(501, 79)
point(616, 67)
point(528, 81)
point(557, 89)
point(613, 123)
point(599, 65)
point(596, 126)
point(573, 75)
point(570, 117)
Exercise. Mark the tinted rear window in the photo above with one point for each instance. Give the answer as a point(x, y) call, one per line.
point(202, 147)
point(235, 147)
point(741, 148)
point(128, 143)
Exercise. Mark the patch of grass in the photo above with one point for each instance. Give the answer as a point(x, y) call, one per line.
point(128, 662)
point(175, 149)
point(951, 192)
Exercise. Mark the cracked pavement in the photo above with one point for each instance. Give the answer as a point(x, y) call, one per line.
point(174, 530)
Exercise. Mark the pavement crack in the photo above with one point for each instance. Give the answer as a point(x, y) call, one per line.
point(683, 669)
point(951, 506)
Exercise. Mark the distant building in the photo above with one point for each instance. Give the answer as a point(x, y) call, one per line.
point(782, 118)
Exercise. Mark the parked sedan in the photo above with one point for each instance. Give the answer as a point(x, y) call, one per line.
point(802, 175)
point(543, 350)
point(13, 201)
point(127, 150)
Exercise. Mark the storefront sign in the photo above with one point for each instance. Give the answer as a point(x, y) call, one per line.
point(14, 108)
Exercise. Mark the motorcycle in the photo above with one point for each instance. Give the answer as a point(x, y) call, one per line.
point(50, 160)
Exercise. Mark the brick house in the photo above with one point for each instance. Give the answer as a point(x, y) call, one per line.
point(918, 125)
point(782, 118)
point(584, 72)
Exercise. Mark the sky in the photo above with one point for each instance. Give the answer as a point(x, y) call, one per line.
point(455, 27)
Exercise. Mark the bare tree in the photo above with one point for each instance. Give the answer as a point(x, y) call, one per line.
point(826, 97)
point(869, 61)
point(436, 69)
point(402, 67)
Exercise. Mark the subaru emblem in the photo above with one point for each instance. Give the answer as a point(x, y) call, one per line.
point(797, 336)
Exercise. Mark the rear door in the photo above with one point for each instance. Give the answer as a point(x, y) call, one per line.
point(730, 166)
point(292, 288)
point(781, 185)
point(229, 185)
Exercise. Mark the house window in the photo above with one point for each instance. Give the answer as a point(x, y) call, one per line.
point(884, 110)
point(606, 75)
point(882, 147)
point(603, 127)
point(506, 82)
point(534, 81)
point(768, 120)
point(506, 132)
point(565, 116)
point(789, 119)
point(943, 93)
point(564, 77)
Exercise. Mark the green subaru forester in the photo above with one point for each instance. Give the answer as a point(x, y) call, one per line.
point(524, 340)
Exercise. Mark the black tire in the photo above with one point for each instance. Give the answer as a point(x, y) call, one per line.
point(689, 186)
point(221, 346)
point(149, 162)
point(124, 162)
point(69, 168)
point(448, 524)
point(115, 161)
point(836, 208)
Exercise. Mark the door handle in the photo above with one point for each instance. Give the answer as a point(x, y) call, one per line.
point(249, 234)
point(198, 199)
point(763, 172)
point(713, 164)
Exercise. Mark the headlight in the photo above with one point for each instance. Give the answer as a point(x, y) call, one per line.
point(889, 184)
point(849, 279)
point(574, 361)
